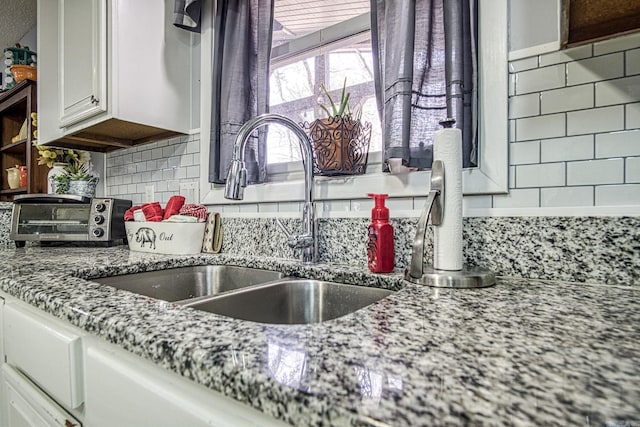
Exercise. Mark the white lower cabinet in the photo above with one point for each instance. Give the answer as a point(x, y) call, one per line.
point(54, 374)
point(24, 405)
point(125, 390)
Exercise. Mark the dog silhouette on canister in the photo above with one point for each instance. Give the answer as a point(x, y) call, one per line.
point(146, 235)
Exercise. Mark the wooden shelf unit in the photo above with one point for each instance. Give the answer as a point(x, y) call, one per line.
point(16, 106)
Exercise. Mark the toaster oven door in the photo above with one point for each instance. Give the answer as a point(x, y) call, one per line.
point(51, 222)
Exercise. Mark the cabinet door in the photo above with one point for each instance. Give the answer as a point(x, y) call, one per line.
point(83, 63)
point(26, 406)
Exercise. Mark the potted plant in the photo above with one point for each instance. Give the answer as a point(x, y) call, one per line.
point(77, 179)
point(341, 140)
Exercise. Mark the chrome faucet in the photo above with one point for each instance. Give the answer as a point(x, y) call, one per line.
point(237, 180)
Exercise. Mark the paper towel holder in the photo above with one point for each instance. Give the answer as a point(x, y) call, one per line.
point(434, 210)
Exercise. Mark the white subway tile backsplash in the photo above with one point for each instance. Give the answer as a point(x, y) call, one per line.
point(141, 167)
point(512, 84)
point(618, 144)
point(522, 153)
point(525, 198)
point(145, 155)
point(289, 207)
point(126, 179)
point(193, 172)
point(632, 170)
point(512, 177)
point(473, 202)
point(248, 208)
point(512, 130)
point(542, 175)
point(595, 172)
point(540, 127)
point(400, 204)
point(268, 207)
point(343, 206)
point(161, 185)
point(632, 116)
point(193, 147)
point(523, 64)
point(181, 173)
point(618, 195)
point(136, 178)
point(136, 157)
point(168, 174)
point(172, 162)
point(595, 120)
point(173, 185)
point(186, 160)
point(524, 105)
point(595, 69)
point(566, 196)
point(632, 62)
point(566, 99)
point(566, 149)
point(618, 91)
point(540, 79)
point(567, 55)
point(156, 153)
point(617, 44)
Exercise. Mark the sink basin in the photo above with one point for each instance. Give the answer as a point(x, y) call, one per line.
point(291, 301)
point(183, 283)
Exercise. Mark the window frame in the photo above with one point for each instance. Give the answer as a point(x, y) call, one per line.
point(490, 177)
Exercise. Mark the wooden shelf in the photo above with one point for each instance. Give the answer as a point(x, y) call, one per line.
point(14, 191)
point(16, 106)
point(14, 147)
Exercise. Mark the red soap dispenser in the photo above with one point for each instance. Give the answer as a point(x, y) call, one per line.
point(380, 251)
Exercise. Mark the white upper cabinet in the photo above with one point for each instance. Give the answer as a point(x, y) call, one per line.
point(83, 73)
point(112, 73)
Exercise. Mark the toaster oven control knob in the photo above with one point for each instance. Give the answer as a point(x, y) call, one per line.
point(98, 232)
point(98, 219)
point(100, 207)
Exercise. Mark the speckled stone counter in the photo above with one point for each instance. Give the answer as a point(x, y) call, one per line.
point(520, 353)
point(577, 249)
point(5, 223)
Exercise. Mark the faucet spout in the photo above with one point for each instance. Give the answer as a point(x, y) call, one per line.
point(237, 179)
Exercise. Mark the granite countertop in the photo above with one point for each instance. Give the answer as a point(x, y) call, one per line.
point(524, 352)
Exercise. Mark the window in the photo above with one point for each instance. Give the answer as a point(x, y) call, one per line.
point(319, 42)
point(490, 177)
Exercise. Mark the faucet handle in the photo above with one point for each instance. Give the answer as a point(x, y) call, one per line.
point(295, 241)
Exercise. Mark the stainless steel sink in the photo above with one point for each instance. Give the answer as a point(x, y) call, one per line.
point(291, 301)
point(190, 282)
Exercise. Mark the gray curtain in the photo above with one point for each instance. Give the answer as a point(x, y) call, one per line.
point(186, 14)
point(425, 70)
point(241, 54)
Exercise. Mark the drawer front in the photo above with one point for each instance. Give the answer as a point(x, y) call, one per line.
point(25, 405)
point(46, 350)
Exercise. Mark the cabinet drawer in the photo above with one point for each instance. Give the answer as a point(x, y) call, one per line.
point(25, 405)
point(46, 350)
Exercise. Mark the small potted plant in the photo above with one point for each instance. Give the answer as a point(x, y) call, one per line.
point(77, 179)
point(341, 140)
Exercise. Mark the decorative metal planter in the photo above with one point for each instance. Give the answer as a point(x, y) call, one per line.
point(82, 188)
point(340, 145)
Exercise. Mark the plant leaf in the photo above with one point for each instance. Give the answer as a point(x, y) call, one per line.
point(334, 109)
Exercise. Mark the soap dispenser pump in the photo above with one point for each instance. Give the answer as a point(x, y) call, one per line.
point(380, 247)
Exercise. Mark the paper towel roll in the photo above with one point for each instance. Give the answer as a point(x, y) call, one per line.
point(447, 238)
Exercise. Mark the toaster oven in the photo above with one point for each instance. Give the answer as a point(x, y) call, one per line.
point(67, 218)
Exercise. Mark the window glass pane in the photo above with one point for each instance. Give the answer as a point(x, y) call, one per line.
point(296, 93)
